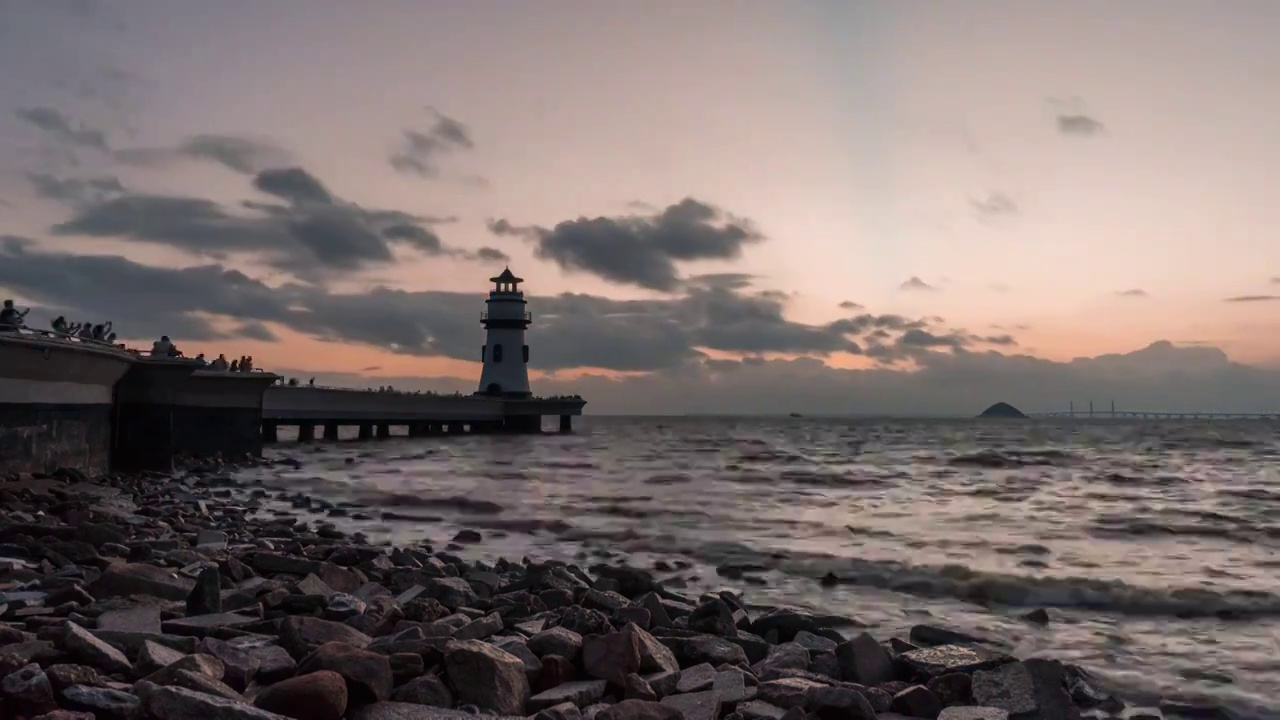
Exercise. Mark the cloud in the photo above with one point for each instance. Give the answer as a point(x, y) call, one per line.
point(1079, 125)
point(640, 249)
point(63, 129)
point(1132, 293)
point(76, 191)
point(491, 254)
point(1275, 281)
point(242, 154)
point(1252, 298)
point(915, 284)
point(310, 233)
point(575, 330)
point(419, 150)
point(850, 305)
point(255, 331)
point(994, 205)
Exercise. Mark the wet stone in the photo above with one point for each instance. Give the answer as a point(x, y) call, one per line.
point(917, 701)
point(1009, 687)
point(320, 695)
point(104, 703)
point(425, 690)
point(943, 659)
point(153, 657)
point(206, 596)
point(973, 713)
point(581, 693)
point(696, 678)
point(81, 644)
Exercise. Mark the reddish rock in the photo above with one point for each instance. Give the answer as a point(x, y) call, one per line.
point(321, 695)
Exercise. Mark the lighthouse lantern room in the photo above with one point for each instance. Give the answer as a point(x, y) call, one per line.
point(505, 355)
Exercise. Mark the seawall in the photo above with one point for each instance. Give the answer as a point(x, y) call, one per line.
point(56, 402)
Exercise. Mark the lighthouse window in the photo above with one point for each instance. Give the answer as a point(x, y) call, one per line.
point(497, 353)
point(483, 348)
point(526, 354)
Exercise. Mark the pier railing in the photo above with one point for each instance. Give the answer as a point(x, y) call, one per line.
point(61, 336)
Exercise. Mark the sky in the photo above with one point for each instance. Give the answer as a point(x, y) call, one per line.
point(741, 207)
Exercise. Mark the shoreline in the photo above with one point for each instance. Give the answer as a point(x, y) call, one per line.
point(182, 601)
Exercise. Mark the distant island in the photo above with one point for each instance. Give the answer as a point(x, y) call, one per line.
point(1002, 410)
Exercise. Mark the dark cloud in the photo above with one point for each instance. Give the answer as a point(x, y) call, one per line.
point(491, 254)
point(311, 234)
point(1080, 125)
point(293, 184)
point(1132, 293)
point(1252, 298)
point(255, 331)
point(915, 284)
point(76, 191)
point(241, 154)
point(63, 129)
point(850, 305)
point(419, 150)
point(641, 249)
point(994, 205)
point(574, 330)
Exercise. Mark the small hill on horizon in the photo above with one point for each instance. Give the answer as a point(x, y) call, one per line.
point(1002, 410)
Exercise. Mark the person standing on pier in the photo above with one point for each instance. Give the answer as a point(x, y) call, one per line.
point(11, 318)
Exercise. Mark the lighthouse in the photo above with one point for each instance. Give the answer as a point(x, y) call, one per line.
point(505, 354)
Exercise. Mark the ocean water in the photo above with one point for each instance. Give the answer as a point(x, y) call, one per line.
point(1155, 546)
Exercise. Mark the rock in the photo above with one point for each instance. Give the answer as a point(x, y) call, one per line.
point(368, 674)
point(943, 659)
point(153, 657)
point(487, 677)
point(480, 629)
point(178, 703)
point(300, 636)
point(239, 666)
point(321, 695)
point(407, 711)
point(202, 625)
point(424, 690)
point(973, 713)
point(695, 706)
point(864, 660)
point(917, 701)
point(274, 662)
point(1039, 616)
point(786, 693)
point(730, 686)
point(198, 681)
point(637, 688)
point(556, 641)
point(517, 647)
point(65, 715)
point(654, 656)
point(952, 689)
point(140, 579)
point(611, 657)
point(563, 711)
point(206, 665)
point(452, 592)
point(706, 648)
point(696, 678)
point(81, 644)
point(405, 666)
point(757, 710)
point(1008, 687)
point(343, 606)
point(63, 676)
point(27, 692)
point(206, 596)
point(555, 671)
point(104, 703)
point(714, 617)
point(640, 710)
point(838, 703)
point(787, 656)
point(814, 643)
point(580, 693)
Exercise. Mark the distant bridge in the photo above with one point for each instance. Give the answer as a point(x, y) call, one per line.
point(1112, 412)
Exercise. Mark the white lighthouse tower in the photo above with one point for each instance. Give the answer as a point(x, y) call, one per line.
point(505, 354)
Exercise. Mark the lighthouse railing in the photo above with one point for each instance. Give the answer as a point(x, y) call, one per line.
point(526, 316)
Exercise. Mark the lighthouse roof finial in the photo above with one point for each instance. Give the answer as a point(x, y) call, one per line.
point(506, 277)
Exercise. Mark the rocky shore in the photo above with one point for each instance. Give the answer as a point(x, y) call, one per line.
point(173, 598)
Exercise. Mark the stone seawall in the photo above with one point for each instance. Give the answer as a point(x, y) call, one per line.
point(55, 403)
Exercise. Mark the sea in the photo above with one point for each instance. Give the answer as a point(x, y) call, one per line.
point(1153, 545)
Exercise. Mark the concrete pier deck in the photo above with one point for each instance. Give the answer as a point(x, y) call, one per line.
point(376, 412)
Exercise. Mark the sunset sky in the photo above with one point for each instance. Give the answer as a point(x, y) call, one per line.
point(731, 193)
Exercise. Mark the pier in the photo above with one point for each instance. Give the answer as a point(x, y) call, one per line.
point(320, 413)
point(1113, 413)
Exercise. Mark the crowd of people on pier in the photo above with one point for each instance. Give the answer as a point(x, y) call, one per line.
point(12, 320)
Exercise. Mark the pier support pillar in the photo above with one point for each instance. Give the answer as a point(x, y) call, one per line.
point(331, 431)
point(455, 428)
point(566, 423)
point(384, 431)
point(366, 431)
point(270, 432)
point(416, 430)
point(306, 432)
point(435, 429)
